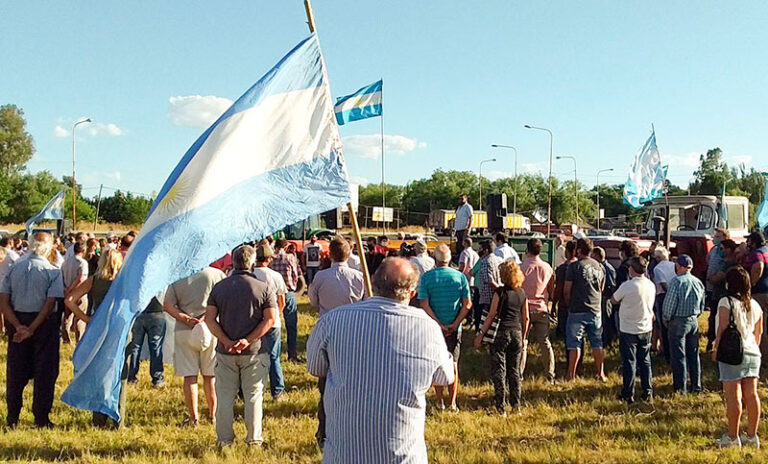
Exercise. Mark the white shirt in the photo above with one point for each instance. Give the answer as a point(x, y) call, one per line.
point(559, 256)
point(470, 257)
point(507, 253)
point(745, 322)
point(423, 263)
point(463, 215)
point(10, 258)
point(354, 262)
point(637, 296)
point(275, 281)
point(662, 274)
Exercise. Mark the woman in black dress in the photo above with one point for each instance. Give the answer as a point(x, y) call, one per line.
point(510, 306)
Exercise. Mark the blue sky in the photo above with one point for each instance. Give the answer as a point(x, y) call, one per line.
point(458, 76)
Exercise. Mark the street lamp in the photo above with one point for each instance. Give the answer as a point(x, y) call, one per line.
point(575, 186)
point(514, 202)
point(74, 183)
point(598, 194)
point(480, 179)
point(549, 196)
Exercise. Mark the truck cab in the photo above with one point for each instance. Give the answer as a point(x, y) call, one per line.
point(692, 220)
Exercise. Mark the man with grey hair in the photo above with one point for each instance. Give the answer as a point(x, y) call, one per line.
point(385, 354)
point(445, 297)
point(241, 310)
point(28, 294)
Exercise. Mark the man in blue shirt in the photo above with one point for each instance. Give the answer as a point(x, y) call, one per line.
point(445, 297)
point(27, 297)
point(684, 302)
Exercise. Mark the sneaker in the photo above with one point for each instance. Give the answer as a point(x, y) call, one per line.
point(160, 384)
point(454, 408)
point(752, 442)
point(727, 442)
point(189, 422)
point(45, 425)
point(280, 398)
point(440, 405)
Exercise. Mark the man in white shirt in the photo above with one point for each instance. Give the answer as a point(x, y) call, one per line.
point(354, 260)
point(463, 222)
point(74, 272)
point(422, 260)
point(663, 273)
point(637, 297)
point(503, 250)
point(274, 279)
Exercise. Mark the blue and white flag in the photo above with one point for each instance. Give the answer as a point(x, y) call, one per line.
point(762, 213)
point(646, 176)
point(53, 210)
point(270, 160)
point(365, 103)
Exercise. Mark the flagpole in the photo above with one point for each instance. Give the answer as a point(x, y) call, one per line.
point(383, 185)
point(352, 213)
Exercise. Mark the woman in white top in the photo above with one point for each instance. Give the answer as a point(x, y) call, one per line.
point(740, 382)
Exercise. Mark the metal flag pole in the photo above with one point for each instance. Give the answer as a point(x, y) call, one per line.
point(98, 205)
point(383, 185)
point(352, 213)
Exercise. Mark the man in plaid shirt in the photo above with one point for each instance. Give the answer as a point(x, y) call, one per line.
point(288, 266)
point(488, 280)
point(684, 302)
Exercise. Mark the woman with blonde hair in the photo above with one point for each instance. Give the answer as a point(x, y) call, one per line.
point(510, 306)
point(740, 381)
point(96, 286)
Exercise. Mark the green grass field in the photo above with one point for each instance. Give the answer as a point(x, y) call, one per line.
point(581, 422)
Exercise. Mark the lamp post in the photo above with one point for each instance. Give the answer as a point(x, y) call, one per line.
point(514, 202)
point(549, 196)
point(74, 183)
point(480, 179)
point(575, 185)
point(598, 194)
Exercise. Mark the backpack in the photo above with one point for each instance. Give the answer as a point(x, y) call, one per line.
point(730, 350)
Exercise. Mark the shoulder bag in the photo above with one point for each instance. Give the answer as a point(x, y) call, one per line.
point(730, 350)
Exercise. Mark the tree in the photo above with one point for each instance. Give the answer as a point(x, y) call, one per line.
point(712, 174)
point(370, 195)
point(16, 145)
point(124, 208)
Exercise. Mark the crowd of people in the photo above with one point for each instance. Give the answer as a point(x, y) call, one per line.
point(377, 356)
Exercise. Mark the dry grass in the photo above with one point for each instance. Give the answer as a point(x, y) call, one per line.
point(582, 423)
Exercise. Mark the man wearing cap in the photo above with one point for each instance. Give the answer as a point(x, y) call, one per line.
point(264, 257)
point(194, 349)
point(684, 302)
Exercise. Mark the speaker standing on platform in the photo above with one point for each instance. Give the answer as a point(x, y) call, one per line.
point(463, 222)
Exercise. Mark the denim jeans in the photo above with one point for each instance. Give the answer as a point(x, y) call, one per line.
point(276, 379)
point(151, 325)
point(291, 317)
point(636, 358)
point(663, 335)
point(506, 353)
point(683, 335)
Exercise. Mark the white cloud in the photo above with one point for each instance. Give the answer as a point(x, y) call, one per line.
point(496, 175)
point(533, 168)
point(100, 129)
point(196, 110)
point(736, 160)
point(60, 132)
point(688, 160)
point(94, 129)
point(359, 180)
point(369, 146)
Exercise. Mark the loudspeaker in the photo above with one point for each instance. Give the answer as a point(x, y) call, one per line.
point(497, 211)
point(332, 219)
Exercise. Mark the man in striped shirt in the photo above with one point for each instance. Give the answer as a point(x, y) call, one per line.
point(380, 356)
point(288, 266)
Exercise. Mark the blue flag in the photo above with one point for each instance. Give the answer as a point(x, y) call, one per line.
point(270, 160)
point(762, 213)
point(53, 210)
point(365, 103)
point(646, 176)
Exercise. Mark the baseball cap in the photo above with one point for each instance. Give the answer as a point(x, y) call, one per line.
point(420, 243)
point(264, 251)
point(685, 261)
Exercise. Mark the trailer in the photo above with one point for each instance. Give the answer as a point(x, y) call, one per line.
point(442, 220)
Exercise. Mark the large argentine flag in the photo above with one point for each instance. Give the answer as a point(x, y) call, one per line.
point(646, 176)
point(54, 209)
point(365, 103)
point(272, 159)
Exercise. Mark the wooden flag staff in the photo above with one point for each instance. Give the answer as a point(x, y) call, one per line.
point(352, 213)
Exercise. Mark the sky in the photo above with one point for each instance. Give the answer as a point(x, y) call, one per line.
point(458, 77)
